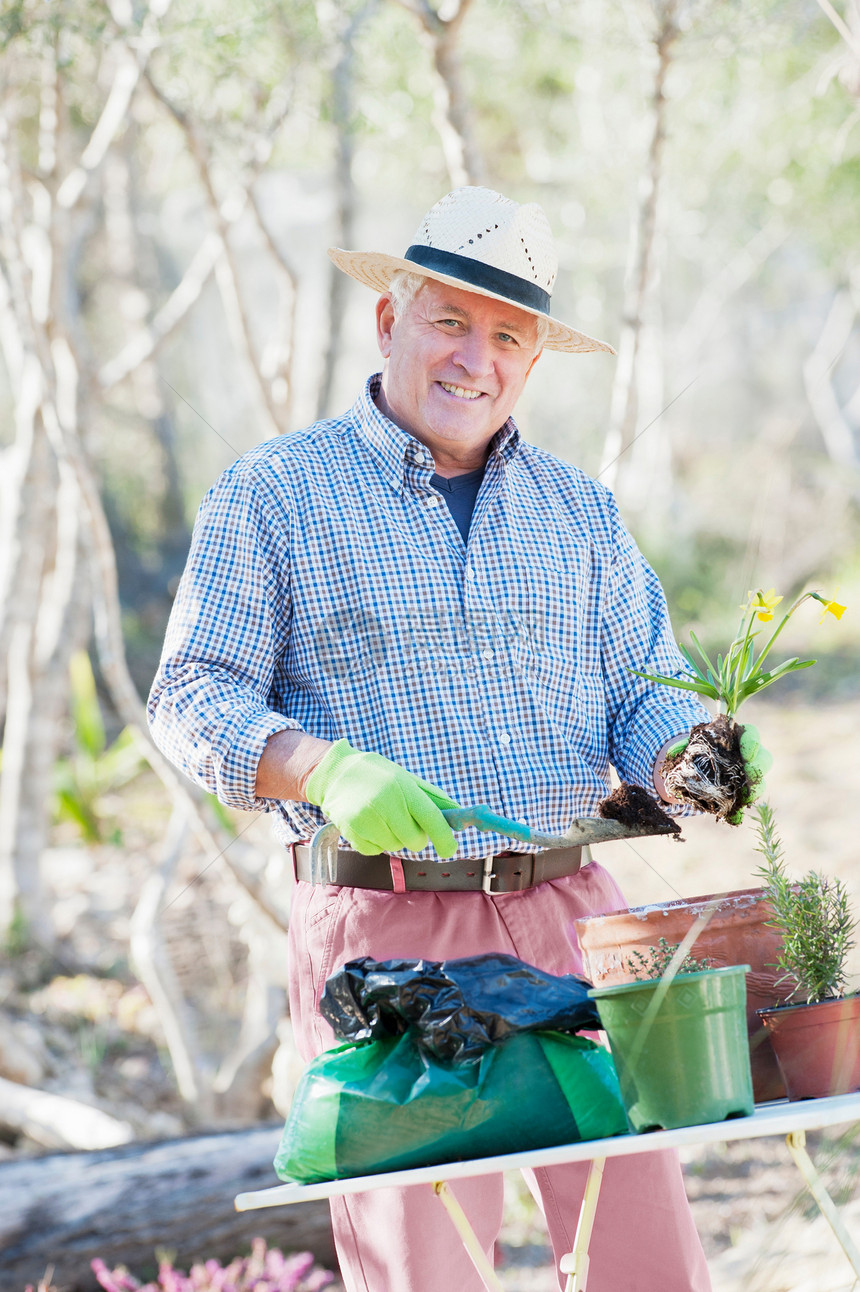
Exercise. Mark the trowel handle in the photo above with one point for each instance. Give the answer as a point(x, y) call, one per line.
point(483, 818)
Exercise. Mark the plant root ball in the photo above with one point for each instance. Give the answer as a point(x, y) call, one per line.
point(710, 774)
point(633, 806)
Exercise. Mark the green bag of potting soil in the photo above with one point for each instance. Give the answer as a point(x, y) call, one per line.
point(385, 1105)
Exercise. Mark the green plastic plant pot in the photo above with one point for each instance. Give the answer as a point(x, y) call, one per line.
point(680, 1047)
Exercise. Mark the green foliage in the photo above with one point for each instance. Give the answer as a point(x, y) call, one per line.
point(12, 22)
point(656, 961)
point(814, 914)
point(16, 937)
point(740, 673)
point(94, 767)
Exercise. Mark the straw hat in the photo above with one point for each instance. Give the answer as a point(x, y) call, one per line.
point(476, 239)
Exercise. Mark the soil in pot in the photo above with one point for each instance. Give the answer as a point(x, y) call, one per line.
point(817, 1046)
point(736, 934)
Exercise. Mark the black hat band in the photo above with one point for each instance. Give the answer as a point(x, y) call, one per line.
point(518, 290)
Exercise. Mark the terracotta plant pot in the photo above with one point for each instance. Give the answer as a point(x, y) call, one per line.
point(817, 1046)
point(737, 934)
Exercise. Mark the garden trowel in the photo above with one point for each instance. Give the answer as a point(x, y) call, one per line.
point(582, 830)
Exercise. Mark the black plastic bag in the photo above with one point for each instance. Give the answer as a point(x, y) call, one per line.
point(454, 1008)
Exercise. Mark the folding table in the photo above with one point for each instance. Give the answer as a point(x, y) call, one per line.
point(781, 1118)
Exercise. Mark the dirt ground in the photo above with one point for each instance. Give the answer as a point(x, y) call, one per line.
point(100, 1039)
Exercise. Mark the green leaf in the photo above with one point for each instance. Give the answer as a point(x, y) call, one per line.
point(86, 713)
point(73, 807)
point(701, 688)
point(702, 651)
point(694, 668)
point(788, 666)
point(724, 673)
point(746, 659)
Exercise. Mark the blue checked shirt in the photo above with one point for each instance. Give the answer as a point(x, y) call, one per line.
point(328, 589)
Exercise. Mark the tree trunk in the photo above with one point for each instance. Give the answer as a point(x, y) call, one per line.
point(39, 648)
point(836, 431)
point(624, 405)
point(25, 553)
point(453, 118)
point(123, 1204)
point(342, 36)
point(452, 114)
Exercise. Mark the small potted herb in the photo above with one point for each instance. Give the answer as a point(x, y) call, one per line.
point(815, 1033)
point(655, 961)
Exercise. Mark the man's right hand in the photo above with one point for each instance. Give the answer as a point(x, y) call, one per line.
point(378, 805)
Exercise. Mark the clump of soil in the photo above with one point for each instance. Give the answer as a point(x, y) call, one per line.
point(633, 806)
point(710, 774)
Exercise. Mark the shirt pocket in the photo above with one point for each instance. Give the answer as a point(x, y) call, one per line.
point(557, 652)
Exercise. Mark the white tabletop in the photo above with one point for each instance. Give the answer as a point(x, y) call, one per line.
point(768, 1119)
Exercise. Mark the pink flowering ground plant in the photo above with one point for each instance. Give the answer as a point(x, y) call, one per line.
point(265, 1270)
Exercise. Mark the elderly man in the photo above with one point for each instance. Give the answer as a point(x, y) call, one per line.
point(406, 608)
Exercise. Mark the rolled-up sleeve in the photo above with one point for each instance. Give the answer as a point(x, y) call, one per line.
point(637, 634)
point(211, 707)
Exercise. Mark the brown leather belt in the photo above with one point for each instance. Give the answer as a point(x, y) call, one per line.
point(502, 873)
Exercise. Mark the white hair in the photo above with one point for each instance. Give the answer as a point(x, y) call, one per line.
point(403, 289)
point(405, 286)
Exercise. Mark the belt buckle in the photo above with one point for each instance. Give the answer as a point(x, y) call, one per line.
point(489, 874)
point(324, 854)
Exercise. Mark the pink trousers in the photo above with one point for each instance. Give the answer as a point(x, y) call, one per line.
point(402, 1240)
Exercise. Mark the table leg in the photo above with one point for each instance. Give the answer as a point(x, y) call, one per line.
point(469, 1237)
point(575, 1264)
point(796, 1141)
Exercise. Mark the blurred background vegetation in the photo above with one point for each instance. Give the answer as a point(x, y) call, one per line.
point(171, 174)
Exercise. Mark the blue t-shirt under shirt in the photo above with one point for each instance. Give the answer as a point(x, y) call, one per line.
point(460, 493)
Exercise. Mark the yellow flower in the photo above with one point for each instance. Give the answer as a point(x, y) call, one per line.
point(833, 608)
point(830, 607)
point(763, 603)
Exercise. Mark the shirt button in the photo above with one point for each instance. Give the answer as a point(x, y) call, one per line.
point(487, 654)
point(470, 572)
point(431, 500)
point(505, 737)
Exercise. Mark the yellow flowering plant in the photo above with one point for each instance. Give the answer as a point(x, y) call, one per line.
point(740, 673)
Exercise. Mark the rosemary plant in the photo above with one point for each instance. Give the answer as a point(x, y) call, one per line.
point(814, 915)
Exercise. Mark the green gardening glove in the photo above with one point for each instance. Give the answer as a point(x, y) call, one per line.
point(757, 761)
point(379, 806)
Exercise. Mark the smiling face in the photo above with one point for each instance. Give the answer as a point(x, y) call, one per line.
point(455, 366)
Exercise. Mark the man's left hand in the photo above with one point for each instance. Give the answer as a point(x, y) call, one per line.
point(756, 759)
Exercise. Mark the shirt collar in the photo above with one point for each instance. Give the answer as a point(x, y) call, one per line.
point(397, 452)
